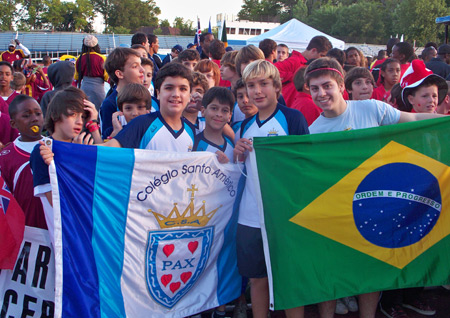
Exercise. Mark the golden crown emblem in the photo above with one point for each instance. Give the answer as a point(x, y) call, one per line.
point(273, 132)
point(189, 217)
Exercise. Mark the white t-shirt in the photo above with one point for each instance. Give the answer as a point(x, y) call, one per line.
point(359, 114)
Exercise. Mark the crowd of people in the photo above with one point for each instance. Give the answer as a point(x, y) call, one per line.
point(212, 98)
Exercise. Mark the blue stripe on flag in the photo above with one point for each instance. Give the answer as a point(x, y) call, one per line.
point(229, 282)
point(75, 181)
point(112, 191)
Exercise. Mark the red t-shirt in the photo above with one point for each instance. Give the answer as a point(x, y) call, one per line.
point(12, 56)
point(15, 170)
point(222, 82)
point(304, 103)
point(11, 97)
point(36, 89)
point(380, 93)
point(287, 69)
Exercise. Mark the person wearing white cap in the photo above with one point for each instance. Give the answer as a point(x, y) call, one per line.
point(16, 51)
point(89, 71)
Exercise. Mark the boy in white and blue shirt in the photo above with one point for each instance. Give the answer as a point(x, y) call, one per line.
point(218, 103)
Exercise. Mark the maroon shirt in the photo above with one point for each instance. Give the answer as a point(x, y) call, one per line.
point(15, 170)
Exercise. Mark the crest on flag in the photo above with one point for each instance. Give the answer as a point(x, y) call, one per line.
point(174, 262)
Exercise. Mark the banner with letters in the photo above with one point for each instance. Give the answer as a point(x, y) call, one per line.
point(142, 233)
point(28, 290)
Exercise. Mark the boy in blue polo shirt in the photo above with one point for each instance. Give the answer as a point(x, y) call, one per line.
point(218, 102)
point(263, 83)
point(165, 129)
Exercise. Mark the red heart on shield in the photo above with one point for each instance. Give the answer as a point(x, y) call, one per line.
point(165, 279)
point(185, 276)
point(192, 246)
point(168, 249)
point(174, 287)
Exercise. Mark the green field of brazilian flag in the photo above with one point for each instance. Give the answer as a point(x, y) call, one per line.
point(357, 211)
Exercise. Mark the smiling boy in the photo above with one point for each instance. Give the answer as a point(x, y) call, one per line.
point(263, 83)
point(165, 129)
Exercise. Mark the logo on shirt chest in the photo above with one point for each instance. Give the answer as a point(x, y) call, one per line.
point(272, 133)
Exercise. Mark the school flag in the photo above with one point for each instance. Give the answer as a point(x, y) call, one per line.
point(12, 225)
point(357, 211)
point(142, 233)
point(224, 34)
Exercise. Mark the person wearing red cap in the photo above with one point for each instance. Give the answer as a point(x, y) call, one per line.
point(422, 90)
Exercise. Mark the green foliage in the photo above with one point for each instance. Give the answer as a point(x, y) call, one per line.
point(185, 27)
point(364, 21)
point(7, 10)
point(69, 16)
point(132, 14)
point(416, 20)
point(164, 23)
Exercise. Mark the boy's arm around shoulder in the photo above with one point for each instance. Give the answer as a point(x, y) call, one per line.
point(408, 117)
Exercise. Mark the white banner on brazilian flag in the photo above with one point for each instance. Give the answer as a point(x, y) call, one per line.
point(141, 233)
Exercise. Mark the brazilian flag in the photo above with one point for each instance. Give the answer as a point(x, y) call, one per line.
point(357, 211)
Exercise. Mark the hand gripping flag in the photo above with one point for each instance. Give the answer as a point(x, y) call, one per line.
point(355, 212)
point(142, 233)
point(12, 226)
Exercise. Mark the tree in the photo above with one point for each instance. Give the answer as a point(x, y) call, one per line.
point(69, 16)
point(7, 10)
point(185, 27)
point(416, 19)
point(164, 23)
point(260, 10)
point(131, 14)
point(29, 14)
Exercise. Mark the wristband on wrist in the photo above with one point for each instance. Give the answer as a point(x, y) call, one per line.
point(93, 127)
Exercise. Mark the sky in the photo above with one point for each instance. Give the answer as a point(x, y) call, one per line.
point(189, 10)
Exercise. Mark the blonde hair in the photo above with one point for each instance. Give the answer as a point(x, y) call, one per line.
point(262, 68)
point(18, 81)
point(247, 54)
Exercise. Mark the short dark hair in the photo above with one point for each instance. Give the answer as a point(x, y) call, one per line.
point(116, 61)
point(283, 45)
point(138, 38)
point(217, 49)
point(390, 44)
point(138, 46)
point(337, 54)
point(19, 99)
point(6, 63)
point(199, 79)
point(299, 79)
point(46, 59)
point(406, 49)
point(428, 51)
point(173, 70)
point(354, 74)
point(222, 94)
point(189, 55)
point(431, 44)
point(203, 36)
point(239, 84)
point(146, 61)
point(134, 93)
point(151, 38)
point(267, 46)
point(320, 43)
point(70, 98)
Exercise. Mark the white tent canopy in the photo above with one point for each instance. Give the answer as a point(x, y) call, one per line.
point(295, 34)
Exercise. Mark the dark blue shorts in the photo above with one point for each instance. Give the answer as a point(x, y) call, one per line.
point(250, 252)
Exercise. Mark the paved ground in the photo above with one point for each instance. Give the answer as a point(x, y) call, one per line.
point(438, 297)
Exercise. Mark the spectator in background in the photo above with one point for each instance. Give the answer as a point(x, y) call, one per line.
point(205, 41)
point(282, 52)
point(269, 48)
point(18, 82)
point(140, 38)
point(16, 51)
point(177, 49)
point(403, 51)
point(141, 49)
point(338, 55)
point(440, 64)
point(153, 43)
point(355, 57)
point(428, 54)
point(216, 52)
point(89, 71)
